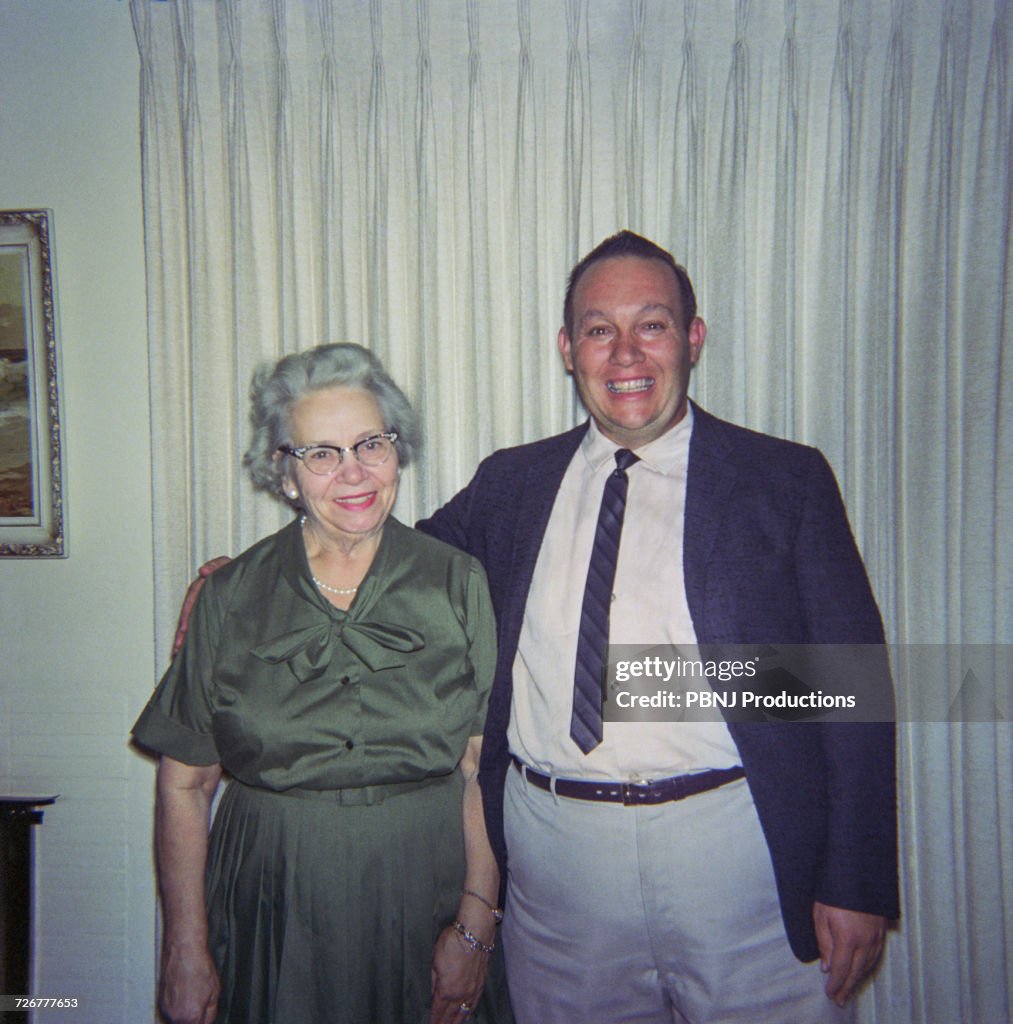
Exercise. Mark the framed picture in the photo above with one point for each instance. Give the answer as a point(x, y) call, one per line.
point(31, 477)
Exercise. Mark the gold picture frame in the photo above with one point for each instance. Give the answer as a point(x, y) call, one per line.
point(31, 461)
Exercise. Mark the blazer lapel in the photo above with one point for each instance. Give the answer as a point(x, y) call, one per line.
point(539, 486)
point(710, 483)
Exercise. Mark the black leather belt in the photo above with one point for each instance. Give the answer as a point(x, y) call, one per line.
point(633, 794)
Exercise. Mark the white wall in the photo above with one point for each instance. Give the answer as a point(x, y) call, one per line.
point(76, 635)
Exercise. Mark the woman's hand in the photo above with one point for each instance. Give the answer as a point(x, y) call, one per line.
point(190, 987)
point(459, 968)
point(458, 978)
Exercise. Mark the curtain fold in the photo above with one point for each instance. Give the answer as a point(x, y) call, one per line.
point(419, 176)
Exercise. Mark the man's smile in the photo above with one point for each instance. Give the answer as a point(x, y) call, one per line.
point(626, 387)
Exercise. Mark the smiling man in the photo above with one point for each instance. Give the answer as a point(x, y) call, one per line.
point(659, 871)
point(631, 346)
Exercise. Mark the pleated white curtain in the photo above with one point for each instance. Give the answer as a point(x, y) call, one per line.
point(419, 175)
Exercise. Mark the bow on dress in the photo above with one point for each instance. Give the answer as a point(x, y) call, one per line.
point(308, 651)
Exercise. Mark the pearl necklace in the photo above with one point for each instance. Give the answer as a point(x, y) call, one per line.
point(340, 591)
point(343, 591)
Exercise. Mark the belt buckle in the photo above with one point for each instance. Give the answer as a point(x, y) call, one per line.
point(635, 792)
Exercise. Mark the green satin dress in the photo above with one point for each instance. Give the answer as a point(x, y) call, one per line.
point(337, 854)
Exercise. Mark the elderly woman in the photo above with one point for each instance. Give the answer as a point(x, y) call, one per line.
point(338, 672)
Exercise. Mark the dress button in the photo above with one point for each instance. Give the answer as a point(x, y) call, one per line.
point(349, 744)
point(345, 680)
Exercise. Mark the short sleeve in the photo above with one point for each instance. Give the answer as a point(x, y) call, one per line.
point(177, 719)
point(481, 628)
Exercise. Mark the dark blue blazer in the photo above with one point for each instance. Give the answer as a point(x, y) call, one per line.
point(768, 558)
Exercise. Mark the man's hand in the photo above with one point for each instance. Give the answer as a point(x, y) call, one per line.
point(191, 599)
point(850, 943)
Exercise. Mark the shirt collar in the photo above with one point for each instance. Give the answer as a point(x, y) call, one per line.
point(668, 454)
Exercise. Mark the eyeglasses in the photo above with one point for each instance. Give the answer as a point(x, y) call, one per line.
point(323, 459)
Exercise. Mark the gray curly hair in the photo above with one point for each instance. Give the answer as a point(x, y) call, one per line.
point(277, 387)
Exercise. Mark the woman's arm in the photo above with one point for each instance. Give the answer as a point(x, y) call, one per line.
point(189, 982)
point(459, 966)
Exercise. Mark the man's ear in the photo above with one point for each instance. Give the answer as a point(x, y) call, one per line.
point(697, 336)
point(563, 343)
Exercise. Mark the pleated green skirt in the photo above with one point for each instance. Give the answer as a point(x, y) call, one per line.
point(322, 913)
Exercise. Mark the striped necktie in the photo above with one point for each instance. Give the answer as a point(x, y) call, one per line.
point(593, 635)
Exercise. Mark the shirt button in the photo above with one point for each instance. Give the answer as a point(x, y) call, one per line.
point(349, 744)
point(345, 680)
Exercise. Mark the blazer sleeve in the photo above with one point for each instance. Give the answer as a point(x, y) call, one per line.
point(454, 523)
point(860, 865)
point(836, 598)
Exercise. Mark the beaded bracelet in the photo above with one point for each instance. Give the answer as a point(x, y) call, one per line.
point(476, 944)
point(496, 912)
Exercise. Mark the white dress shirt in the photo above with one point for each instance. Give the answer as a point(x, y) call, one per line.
point(649, 608)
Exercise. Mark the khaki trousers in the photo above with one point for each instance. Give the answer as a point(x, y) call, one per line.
point(649, 915)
